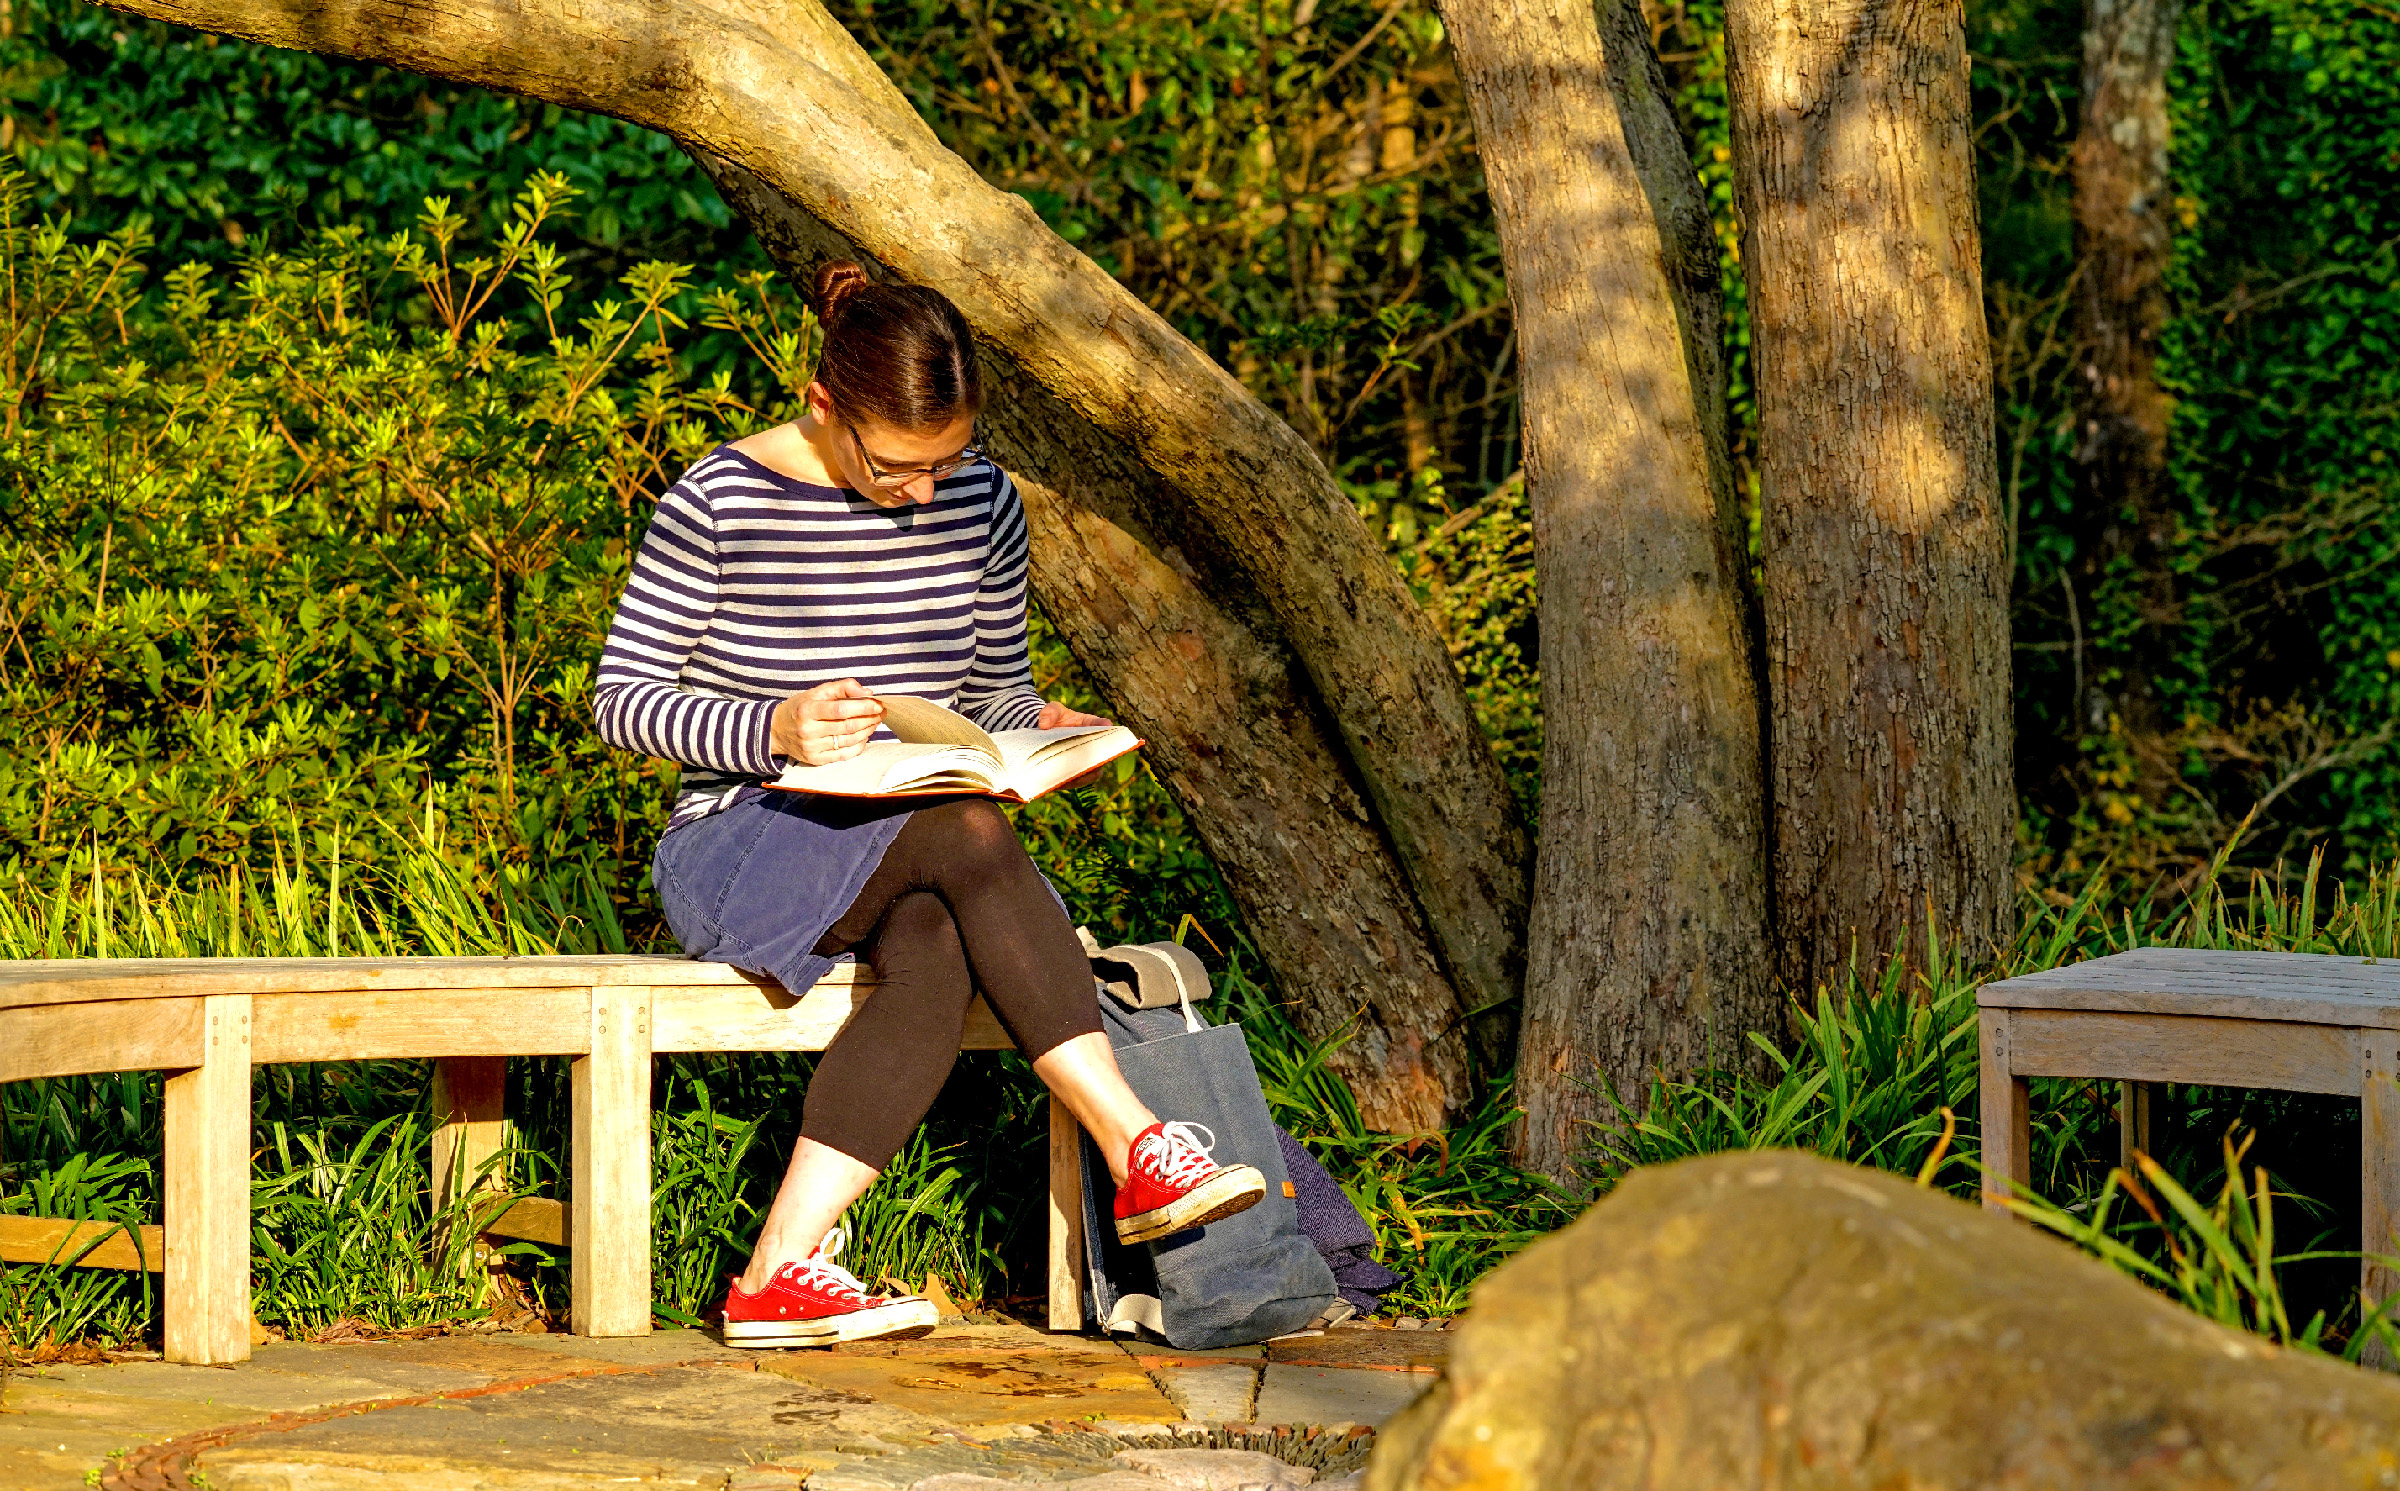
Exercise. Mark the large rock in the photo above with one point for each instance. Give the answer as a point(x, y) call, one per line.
point(1777, 1320)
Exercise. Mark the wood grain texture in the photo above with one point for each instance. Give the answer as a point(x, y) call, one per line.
point(1228, 494)
point(62, 1040)
point(362, 1024)
point(2310, 988)
point(1649, 901)
point(1884, 545)
point(2379, 1178)
point(2133, 1123)
point(609, 1169)
point(470, 1115)
point(767, 1019)
point(207, 1192)
point(68, 981)
point(45, 1240)
point(1066, 1260)
point(2181, 1048)
point(2007, 1113)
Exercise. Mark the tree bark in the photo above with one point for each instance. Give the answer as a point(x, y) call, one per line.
point(1193, 550)
point(1886, 587)
point(2123, 241)
point(1647, 941)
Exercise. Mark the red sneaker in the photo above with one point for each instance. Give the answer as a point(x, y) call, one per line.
point(1172, 1185)
point(816, 1302)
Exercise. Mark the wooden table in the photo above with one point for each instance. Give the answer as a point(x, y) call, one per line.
point(2299, 1022)
point(207, 1021)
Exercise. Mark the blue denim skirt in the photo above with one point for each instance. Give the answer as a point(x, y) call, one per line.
point(758, 883)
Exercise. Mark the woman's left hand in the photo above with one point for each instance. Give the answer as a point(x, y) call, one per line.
point(1059, 717)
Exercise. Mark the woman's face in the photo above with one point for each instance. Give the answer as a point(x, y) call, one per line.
point(894, 467)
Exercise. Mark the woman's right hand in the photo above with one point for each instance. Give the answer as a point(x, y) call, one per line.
point(829, 723)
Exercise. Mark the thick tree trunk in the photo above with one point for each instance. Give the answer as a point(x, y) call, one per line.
point(2123, 240)
point(1647, 944)
point(1195, 552)
point(1886, 591)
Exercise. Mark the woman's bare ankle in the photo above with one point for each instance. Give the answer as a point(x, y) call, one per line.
point(769, 1258)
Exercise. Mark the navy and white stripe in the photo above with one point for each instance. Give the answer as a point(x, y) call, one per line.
point(752, 586)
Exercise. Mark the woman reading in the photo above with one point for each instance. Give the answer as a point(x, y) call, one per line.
point(867, 547)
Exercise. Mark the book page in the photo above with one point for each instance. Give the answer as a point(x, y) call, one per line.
point(1041, 760)
point(923, 722)
point(890, 766)
point(1019, 748)
point(960, 768)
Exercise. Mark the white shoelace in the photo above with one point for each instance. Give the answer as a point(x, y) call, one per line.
point(1184, 1160)
point(820, 1269)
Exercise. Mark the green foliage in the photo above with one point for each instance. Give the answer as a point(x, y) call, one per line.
point(1474, 576)
point(1877, 1078)
point(2217, 1261)
point(254, 539)
point(2283, 362)
point(2273, 669)
point(341, 1227)
point(226, 147)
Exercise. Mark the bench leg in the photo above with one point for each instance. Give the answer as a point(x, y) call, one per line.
point(470, 1122)
point(1066, 1219)
point(2379, 1167)
point(2133, 1122)
point(2007, 1122)
point(207, 1197)
point(610, 1164)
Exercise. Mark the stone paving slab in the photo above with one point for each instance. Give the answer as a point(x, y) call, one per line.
point(674, 1426)
point(1334, 1395)
point(57, 1422)
point(676, 1409)
point(986, 1382)
point(1212, 1394)
point(665, 1348)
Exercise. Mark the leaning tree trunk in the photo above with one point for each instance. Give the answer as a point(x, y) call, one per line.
point(1647, 943)
point(1886, 589)
point(2123, 240)
point(1193, 550)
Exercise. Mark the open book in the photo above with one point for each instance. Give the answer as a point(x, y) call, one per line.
point(941, 752)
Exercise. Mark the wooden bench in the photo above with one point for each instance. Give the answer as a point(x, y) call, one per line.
point(206, 1022)
point(2299, 1022)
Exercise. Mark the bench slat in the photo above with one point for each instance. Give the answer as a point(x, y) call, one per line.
point(362, 1025)
point(2285, 1055)
point(152, 1035)
point(2302, 988)
point(81, 980)
point(43, 1240)
point(752, 1019)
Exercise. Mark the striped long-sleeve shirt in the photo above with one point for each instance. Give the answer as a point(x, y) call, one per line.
point(752, 586)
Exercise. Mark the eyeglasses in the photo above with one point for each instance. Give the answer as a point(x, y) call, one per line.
point(892, 481)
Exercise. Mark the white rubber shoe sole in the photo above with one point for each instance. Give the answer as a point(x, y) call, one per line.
point(898, 1320)
point(1234, 1189)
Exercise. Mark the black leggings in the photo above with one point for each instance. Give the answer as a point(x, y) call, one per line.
point(955, 906)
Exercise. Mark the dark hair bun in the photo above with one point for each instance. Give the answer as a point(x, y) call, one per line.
point(899, 355)
point(837, 281)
